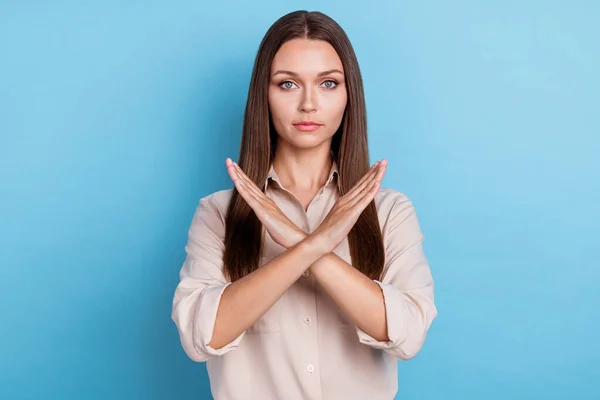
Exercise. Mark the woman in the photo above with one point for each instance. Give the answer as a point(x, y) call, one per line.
point(306, 280)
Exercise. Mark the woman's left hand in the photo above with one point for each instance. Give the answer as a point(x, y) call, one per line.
point(283, 231)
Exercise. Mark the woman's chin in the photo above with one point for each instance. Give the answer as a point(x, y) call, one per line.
point(307, 140)
point(309, 144)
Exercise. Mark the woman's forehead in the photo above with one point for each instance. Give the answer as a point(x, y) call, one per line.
point(306, 57)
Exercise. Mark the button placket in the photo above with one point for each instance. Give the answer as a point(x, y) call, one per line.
point(310, 354)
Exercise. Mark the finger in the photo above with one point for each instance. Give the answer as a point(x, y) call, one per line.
point(252, 190)
point(231, 170)
point(366, 175)
point(237, 171)
point(359, 203)
point(369, 191)
point(358, 186)
point(237, 174)
point(248, 193)
point(241, 186)
point(250, 184)
point(369, 177)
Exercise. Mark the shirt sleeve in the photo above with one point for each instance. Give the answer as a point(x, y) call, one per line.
point(406, 284)
point(201, 285)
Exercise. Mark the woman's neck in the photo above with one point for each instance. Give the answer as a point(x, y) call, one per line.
point(305, 170)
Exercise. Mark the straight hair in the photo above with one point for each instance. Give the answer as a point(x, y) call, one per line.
point(349, 149)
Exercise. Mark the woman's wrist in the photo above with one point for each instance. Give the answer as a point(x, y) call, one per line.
point(316, 243)
point(299, 236)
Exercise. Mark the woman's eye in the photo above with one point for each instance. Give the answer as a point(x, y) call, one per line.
point(287, 85)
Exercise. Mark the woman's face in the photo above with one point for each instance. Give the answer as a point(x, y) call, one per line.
point(307, 85)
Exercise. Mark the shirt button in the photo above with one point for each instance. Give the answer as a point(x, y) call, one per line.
point(307, 320)
point(305, 274)
point(310, 368)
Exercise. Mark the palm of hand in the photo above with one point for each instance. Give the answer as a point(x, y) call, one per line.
point(335, 226)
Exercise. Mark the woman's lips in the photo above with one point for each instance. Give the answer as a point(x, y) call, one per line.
point(307, 127)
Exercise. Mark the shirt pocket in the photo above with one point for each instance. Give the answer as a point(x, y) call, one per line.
point(266, 324)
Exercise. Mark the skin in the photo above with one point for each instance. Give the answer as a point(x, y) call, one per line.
point(302, 161)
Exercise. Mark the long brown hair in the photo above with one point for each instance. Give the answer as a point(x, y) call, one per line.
point(243, 229)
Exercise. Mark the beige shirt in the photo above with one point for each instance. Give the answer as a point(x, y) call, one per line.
point(304, 347)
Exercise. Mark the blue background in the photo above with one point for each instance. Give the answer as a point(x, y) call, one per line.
point(116, 118)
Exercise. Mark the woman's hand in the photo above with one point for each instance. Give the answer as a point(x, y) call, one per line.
point(347, 209)
point(283, 231)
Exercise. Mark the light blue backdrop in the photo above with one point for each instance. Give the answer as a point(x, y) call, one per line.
point(116, 117)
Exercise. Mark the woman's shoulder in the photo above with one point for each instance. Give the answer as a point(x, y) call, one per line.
point(393, 204)
point(397, 214)
point(215, 203)
point(388, 198)
point(219, 198)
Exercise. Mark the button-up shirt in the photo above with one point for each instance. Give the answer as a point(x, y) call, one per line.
point(304, 347)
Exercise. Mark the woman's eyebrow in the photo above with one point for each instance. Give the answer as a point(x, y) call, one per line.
point(291, 73)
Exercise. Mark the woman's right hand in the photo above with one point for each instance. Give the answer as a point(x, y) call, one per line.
point(344, 214)
point(283, 231)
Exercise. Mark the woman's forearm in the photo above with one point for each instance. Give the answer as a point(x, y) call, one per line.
point(249, 298)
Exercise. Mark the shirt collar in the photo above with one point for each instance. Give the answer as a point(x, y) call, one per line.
point(333, 173)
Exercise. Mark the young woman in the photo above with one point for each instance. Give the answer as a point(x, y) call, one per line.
point(306, 280)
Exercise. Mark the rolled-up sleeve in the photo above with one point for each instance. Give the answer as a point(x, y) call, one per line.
point(201, 285)
point(406, 284)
